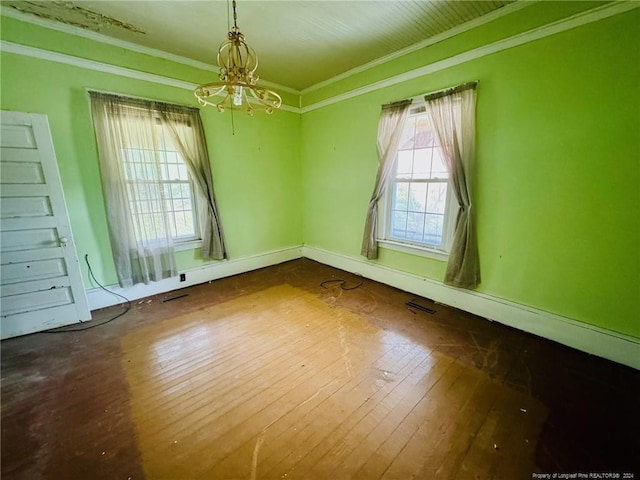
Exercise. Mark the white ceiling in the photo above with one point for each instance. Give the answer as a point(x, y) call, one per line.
point(299, 43)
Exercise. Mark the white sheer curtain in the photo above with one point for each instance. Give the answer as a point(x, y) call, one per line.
point(390, 126)
point(127, 132)
point(453, 115)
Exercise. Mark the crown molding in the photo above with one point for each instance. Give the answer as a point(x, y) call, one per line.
point(27, 51)
point(476, 22)
point(34, 52)
point(574, 21)
point(99, 37)
point(583, 18)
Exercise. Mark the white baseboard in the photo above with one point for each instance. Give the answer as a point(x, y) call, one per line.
point(98, 298)
point(604, 343)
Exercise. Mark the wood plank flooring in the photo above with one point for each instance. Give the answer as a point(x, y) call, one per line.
point(271, 375)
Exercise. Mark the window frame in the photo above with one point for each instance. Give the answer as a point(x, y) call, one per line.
point(386, 240)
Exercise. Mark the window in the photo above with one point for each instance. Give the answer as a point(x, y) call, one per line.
point(157, 185)
point(420, 208)
point(161, 194)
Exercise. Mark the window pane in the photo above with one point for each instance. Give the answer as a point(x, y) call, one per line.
point(143, 191)
point(436, 198)
point(162, 167)
point(150, 171)
point(184, 224)
point(417, 197)
point(183, 173)
point(147, 156)
point(173, 157)
point(142, 206)
point(404, 164)
point(424, 136)
point(399, 224)
point(136, 221)
point(135, 171)
point(175, 190)
point(140, 170)
point(407, 139)
point(172, 225)
point(186, 190)
point(415, 226)
point(158, 224)
point(168, 205)
point(433, 229)
point(422, 163)
point(128, 171)
point(143, 224)
point(182, 204)
point(438, 168)
point(174, 172)
point(132, 155)
point(400, 196)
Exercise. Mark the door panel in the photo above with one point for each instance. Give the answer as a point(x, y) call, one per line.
point(40, 282)
point(29, 271)
point(18, 135)
point(36, 286)
point(26, 239)
point(14, 172)
point(30, 301)
point(16, 207)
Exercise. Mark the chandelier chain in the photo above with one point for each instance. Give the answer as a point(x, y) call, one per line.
point(235, 16)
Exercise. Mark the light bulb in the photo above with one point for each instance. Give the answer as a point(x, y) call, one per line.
point(237, 96)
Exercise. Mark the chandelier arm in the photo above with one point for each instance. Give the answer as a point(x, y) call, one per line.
point(250, 109)
point(222, 105)
point(268, 98)
point(261, 94)
point(252, 61)
point(238, 51)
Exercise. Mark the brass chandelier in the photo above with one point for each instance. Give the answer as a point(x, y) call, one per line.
point(238, 63)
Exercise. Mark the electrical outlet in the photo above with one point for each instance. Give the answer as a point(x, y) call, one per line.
point(183, 277)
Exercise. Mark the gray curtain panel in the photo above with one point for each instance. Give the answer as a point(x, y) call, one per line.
point(187, 133)
point(390, 126)
point(452, 113)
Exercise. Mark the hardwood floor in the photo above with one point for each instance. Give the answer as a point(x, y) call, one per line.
point(271, 375)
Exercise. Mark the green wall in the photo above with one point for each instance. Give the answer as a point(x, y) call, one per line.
point(558, 161)
point(558, 172)
point(256, 172)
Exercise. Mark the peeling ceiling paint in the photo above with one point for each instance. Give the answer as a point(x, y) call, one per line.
point(71, 14)
point(299, 42)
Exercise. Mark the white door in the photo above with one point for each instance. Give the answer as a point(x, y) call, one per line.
point(40, 281)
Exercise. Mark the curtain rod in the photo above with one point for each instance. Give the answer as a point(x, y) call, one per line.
point(399, 103)
point(434, 94)
point(136, 97)
point(452, 90)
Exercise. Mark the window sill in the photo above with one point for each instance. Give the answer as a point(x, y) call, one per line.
point(187, 245)
point(414, 250)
